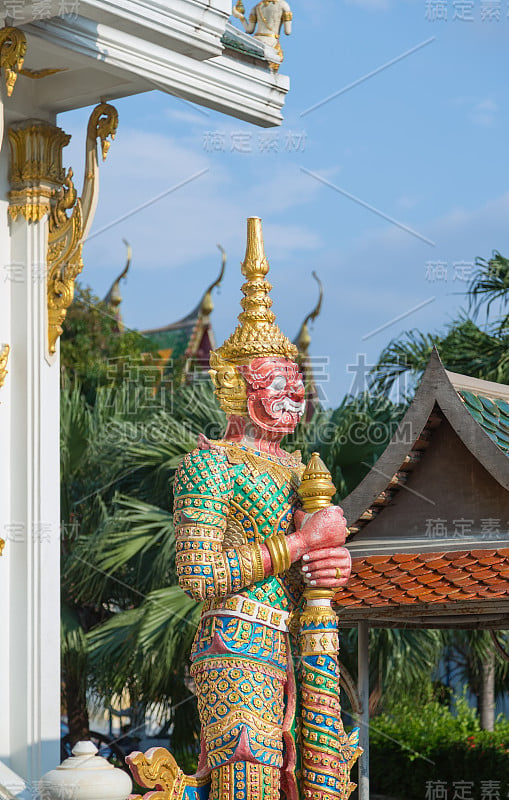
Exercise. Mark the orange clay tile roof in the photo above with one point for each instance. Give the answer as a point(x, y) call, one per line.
point(414, 578)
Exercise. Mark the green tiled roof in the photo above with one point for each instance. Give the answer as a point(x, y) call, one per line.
point(175, 340)
point(491, 414)
point(234, 40)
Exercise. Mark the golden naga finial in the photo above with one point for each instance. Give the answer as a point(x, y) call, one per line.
point(303, 339)
point(13, 47)
point(113, 299)
point(316, 489)
point(207, 304)
point(257, 334)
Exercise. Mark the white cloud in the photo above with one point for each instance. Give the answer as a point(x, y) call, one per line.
point(174, 240)
point(484, 113)
point(480, 111)
point(408, 200)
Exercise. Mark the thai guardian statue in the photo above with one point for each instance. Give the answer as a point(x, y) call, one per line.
point(248, 551)
point(266, 21)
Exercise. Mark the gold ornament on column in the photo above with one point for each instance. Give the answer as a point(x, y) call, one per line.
point(36, 171)
point(4, 356)
point(70, 221)
point(13, 47)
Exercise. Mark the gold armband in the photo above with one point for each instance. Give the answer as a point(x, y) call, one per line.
point(259, 569)
point(287, 16)
point(251, 564)
point(277, 546)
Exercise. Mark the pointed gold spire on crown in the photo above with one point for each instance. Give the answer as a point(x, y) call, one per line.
point(257, 334)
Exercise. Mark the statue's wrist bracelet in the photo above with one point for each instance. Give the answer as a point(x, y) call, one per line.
point(279, 552)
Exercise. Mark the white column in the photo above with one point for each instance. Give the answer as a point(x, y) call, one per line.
point(363, 672)
point(30, 516)
point(5, 449)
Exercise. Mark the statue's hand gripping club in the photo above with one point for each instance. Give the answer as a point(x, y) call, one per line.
point(322, 526)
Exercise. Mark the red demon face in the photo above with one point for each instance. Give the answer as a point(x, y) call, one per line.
point(275, 394)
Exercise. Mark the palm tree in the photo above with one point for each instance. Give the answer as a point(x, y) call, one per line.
point(473, 660)
point(401, 661)
point(350, 438)
point(490, 284)
point(119, 584)
point(464, 346)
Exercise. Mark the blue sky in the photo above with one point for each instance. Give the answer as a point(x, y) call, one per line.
point(423, 142)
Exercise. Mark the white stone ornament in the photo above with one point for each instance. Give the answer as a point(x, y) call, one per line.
point(85, 776)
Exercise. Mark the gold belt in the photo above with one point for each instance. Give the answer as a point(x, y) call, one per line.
point(251, 611)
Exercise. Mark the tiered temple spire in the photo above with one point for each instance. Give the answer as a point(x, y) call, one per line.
point(303, 340)
point(113, 298)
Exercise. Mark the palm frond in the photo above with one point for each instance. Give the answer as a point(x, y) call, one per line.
point(147, 646)
point(490, 283)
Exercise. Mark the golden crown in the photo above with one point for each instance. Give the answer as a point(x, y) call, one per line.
point(257, 334)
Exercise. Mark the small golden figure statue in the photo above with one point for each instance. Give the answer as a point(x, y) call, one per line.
point(265, 22)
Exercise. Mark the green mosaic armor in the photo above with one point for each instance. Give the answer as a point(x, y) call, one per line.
point(221, 510)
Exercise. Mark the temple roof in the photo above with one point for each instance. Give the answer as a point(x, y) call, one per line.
point(113, 298)
point(175, 337)
point(109, 49)
point(489, 406)
point(427, 584)
point(302, 342)
point(474, 411)
point(192, 336)
point(437, 498)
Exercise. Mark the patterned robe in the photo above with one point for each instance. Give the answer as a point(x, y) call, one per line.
point(228, 500)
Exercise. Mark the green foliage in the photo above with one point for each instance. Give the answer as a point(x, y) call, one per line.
point(408, 749)
point(119, 458)
point(490, 284)
point(92, 350)
point(467, 654)
point(350, 439)
point(464, 348)
point(400, 662)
